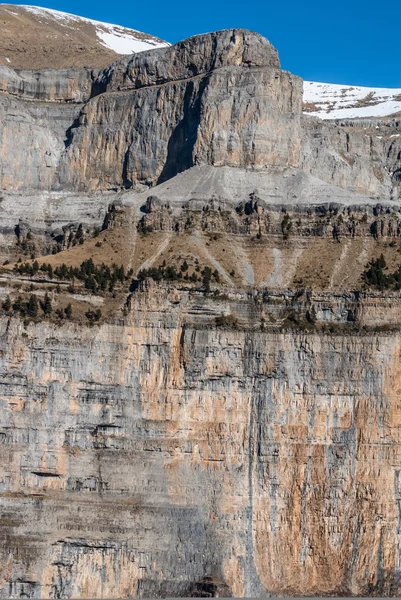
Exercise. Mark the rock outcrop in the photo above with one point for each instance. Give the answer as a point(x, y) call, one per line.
point(218, 99)
point(363, 155)
point(226, 422)
point(156, 455)
point(31, 142)
point(48, 85)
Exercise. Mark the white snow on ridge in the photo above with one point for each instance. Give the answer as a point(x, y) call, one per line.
point(123, 43)
point(122, 40)
point(333, 101)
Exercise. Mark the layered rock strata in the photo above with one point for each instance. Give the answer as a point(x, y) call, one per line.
point(234, 436)
point(154, 455)
point(217, 99)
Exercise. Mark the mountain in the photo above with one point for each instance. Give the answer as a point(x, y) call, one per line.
point(332, 101)
point(200, 331)
point(39, 38)
point(36, 38)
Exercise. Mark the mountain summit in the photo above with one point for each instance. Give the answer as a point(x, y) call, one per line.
point(40, 38)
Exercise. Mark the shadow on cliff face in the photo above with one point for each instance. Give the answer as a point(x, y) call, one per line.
point(210, 587)
point(387, 585)
point(183, 138)
point(69, 134)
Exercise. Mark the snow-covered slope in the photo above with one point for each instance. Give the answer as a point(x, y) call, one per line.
point(120, 39)
point(332, 101)
point(33, 37)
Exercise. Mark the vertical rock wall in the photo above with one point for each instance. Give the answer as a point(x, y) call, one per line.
point(152, 456)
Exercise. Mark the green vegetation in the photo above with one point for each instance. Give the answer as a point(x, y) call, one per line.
point(96, 278)
point(227, 321)
point(93, 315)
point(286, 226)
point(375, 276)
point(26, 308)
point(68, 311)
point(46, 305)
point(171, 273)
point(6, 305)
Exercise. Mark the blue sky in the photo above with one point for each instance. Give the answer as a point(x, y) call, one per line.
point(340, 41)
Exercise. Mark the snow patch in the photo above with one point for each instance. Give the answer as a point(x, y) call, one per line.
point(334, 101)
point(126, 43)
point(115, 37)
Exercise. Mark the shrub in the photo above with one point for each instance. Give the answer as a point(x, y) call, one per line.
point(93, 315)
point(206, 277)
point(286, 226)
point(6, 305)
point(227, 321)
point(374, 274)
point(59, 313)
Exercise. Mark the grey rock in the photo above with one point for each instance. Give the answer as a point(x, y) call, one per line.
point(47, 85)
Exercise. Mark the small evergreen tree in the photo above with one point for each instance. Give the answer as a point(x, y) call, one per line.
point(47, 305)
point(7, 304)
point(206, 277)
point(68, 311)
point(33, 306)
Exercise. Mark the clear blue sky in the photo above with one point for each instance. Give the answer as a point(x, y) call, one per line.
point(342, 41)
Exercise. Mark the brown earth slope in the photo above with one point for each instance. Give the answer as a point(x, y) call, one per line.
point(37, 38)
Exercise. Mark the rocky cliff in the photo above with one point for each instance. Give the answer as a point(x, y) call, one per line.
point(217, 99)
point(156, 453)
point(200, 332)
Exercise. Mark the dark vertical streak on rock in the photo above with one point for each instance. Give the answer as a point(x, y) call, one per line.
point(183, 138)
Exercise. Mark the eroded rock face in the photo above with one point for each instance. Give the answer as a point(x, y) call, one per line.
point(194, 444)
point(217, 99)
point(64, 85)
point(234, 116)
point(363, 155)
point(195, 56)
point(31, 142)
point(156, 456)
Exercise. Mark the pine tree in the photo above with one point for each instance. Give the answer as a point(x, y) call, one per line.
point(47, 305)
point(68, 311)
point(33, 306)
point(207, 275)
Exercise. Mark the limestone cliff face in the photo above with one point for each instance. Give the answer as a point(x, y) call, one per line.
point(31, 142)
point(237, 435)
point(361, 155)
point(195, 56)
point(217, 99)
point(47, 85)
point(223, 118)
point(156, 454)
